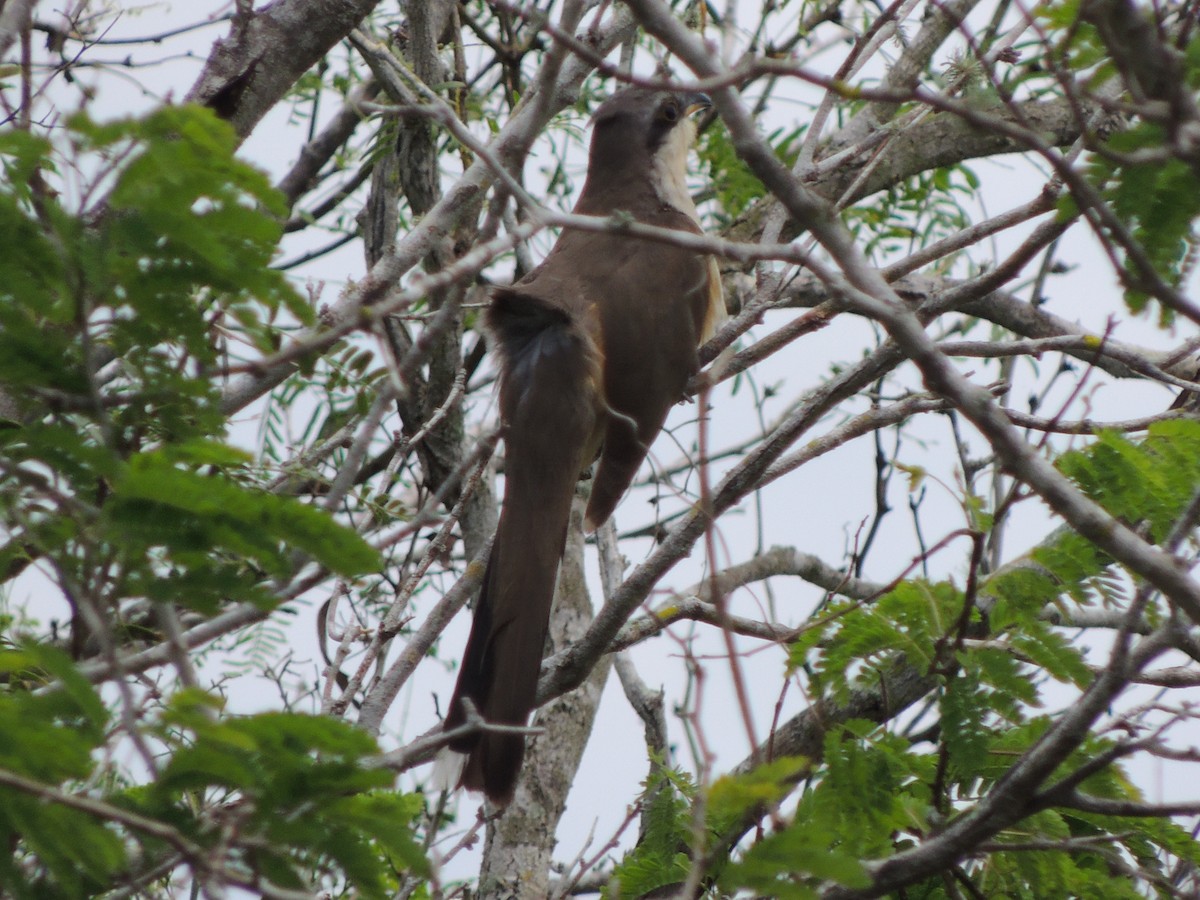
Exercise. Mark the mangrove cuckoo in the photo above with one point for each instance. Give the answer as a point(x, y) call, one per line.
point(595, 346)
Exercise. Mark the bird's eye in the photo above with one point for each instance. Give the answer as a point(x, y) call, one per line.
point(670, 112)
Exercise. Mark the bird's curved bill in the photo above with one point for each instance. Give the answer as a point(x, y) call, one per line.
point(694, 103)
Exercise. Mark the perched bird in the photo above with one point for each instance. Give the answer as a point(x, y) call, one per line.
point(595, 346)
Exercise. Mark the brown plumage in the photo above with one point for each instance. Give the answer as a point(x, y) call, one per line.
point(594, 346)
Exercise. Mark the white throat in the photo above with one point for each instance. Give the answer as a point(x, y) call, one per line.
point(670, 169)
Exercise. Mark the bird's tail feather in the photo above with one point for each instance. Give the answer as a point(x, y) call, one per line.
point(548, 381)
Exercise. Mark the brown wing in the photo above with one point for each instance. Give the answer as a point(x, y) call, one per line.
point(651, 322)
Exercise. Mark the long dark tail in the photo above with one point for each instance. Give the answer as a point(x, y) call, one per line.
point(549, 373)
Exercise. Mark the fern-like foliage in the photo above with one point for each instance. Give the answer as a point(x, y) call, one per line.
point(875, 792)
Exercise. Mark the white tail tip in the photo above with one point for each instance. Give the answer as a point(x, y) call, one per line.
point(447, 772)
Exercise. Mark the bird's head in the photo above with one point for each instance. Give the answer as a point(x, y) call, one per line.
point(648, 117)
point(640, 135)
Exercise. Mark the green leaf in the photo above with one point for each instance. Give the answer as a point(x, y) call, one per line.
point(660, 858)
point(964, 732)
point(730, 797)
point(156, 503)
point(1157, 201)
point(791, 863)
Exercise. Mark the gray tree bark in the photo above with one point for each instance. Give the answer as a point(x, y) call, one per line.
point(253, 68)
